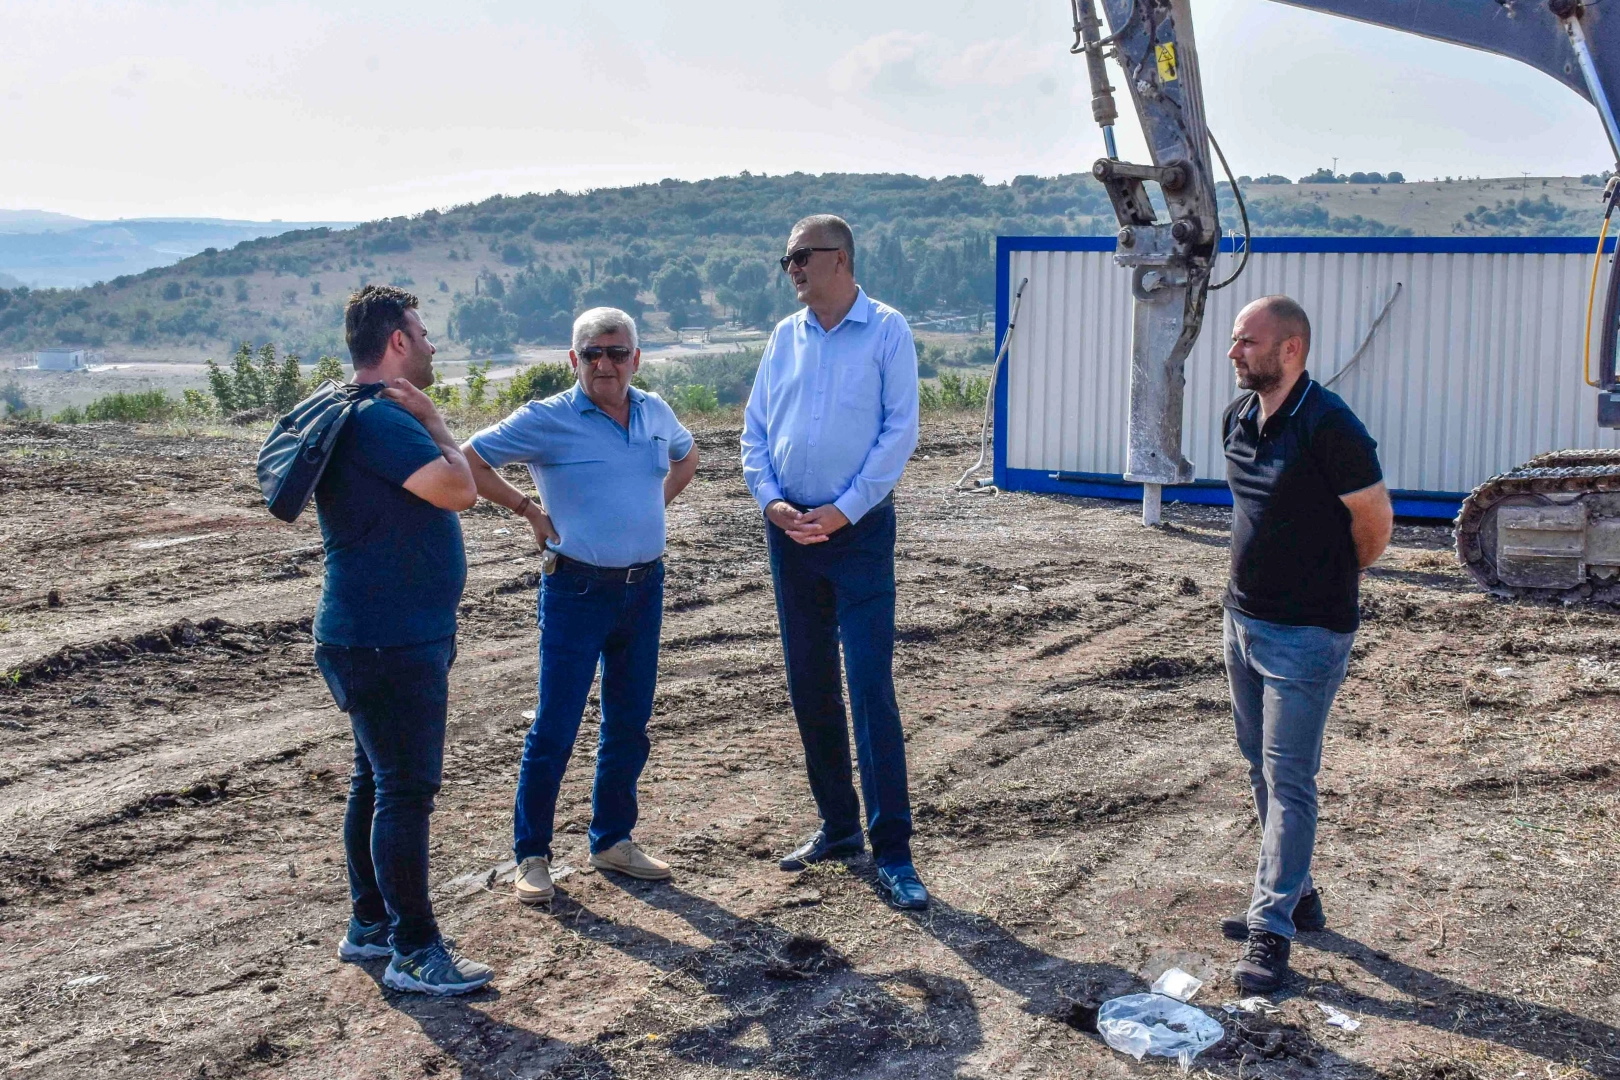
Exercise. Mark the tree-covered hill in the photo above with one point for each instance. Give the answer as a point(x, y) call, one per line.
point(515, 269)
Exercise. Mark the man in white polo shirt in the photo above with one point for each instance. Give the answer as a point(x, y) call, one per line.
point(606, 459)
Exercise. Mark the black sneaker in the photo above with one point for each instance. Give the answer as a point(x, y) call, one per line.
point(1308, 918)
point(1264, 966)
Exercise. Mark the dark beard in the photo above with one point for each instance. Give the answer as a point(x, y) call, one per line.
point(1266, 374)
point(1260, 384)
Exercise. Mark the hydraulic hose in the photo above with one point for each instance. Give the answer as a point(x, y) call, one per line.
point(1591, 296)
point(990, 394)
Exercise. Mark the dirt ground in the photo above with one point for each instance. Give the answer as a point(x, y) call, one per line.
point(173, 775)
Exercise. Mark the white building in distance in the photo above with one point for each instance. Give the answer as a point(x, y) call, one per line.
point(61, 360)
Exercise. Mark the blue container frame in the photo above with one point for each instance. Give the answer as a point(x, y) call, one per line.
point(1439, 505)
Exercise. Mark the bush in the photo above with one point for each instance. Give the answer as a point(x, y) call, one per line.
point(445, 397)
point(679, 289)
point(954, 391)
point(534, 384)
point(260, 380)
point(482, 324)
point(477, 383)
point(694, 398)
point(140, 407)
point(12, 402)
point(327, 367)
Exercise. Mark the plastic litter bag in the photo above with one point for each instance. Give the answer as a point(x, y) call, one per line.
point(1177, 984)
point(1139, 1024)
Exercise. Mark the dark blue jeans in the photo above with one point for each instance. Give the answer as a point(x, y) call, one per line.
point(396, 700)
point(842, 590)
point(587, 623)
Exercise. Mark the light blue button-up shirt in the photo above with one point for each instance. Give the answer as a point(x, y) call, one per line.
point(603, 485)
point(833, 414)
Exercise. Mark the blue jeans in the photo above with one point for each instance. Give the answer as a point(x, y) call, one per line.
point(1283, 679)
point(587, 623)
point(396, 700)
point(842, 590)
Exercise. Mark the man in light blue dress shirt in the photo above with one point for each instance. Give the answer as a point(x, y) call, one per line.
point(606, 459)
point(830, 425)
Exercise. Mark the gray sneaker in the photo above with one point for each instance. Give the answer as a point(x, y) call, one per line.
point(434, 969)
point(366, 942)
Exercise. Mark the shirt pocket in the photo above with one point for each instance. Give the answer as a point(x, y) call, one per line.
point(660, 455)
point(860, 384)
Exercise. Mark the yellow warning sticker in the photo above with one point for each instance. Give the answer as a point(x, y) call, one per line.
point(1166, 55)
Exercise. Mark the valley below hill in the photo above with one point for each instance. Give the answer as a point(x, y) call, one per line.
point(510, 272)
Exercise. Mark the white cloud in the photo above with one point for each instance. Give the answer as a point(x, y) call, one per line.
point(906, 65)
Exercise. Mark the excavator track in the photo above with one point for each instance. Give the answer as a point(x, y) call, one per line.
point(1547, 530)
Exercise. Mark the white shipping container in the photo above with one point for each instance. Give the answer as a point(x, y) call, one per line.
point(1475, 368)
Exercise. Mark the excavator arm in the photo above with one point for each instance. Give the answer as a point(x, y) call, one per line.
point(1171, 261)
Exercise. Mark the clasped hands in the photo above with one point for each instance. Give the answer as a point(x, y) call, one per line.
point(807, 526)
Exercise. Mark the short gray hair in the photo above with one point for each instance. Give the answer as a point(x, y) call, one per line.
point(603, 320)
point(830, 227)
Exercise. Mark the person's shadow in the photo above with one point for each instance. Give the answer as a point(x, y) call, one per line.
point(786, 1002)
point(1553, 1033)
point(1071, 991)
point(484, 1048)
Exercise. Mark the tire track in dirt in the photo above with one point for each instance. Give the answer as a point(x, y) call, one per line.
point(215, 905)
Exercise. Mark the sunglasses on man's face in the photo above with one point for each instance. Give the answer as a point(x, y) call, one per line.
point(799, 256)
point(616, 353)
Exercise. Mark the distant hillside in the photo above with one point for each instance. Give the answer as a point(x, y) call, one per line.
point(48, 250)
point(514, 270)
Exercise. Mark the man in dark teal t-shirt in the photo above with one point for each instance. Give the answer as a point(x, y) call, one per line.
point(385, 635)
point(394, 561)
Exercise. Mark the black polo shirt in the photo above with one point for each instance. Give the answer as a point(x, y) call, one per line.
point(1293, 557)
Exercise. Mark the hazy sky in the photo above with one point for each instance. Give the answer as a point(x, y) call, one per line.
point(345, 110)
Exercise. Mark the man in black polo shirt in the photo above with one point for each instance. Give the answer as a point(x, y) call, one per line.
point(1309, 513)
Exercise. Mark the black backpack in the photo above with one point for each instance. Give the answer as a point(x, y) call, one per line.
point(295, 454)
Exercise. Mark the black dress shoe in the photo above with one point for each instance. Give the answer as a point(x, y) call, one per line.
point(902, 888)
point(1308, 918)
point(819, 848)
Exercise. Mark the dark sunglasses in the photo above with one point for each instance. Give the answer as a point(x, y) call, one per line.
point(616, 353)
point(799, 256)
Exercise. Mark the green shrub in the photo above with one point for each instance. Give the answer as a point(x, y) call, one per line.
point(140, 407)
point(477, 383)
point(194, 405)
point(445, 397)
point(954, 391)
point(12, 402)
point(259, 379)
point(694, 398)
point(327, 367)
point(727, 377)
point(534, 384)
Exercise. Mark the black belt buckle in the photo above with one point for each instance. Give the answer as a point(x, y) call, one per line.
point(635, 574)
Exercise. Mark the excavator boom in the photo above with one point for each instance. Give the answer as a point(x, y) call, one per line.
point(1549, 529)
point(1171, 261)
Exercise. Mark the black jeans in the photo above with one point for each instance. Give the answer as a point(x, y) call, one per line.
point(396, 699)
point(842, 591)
